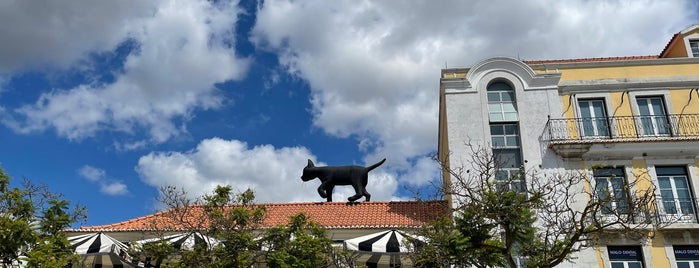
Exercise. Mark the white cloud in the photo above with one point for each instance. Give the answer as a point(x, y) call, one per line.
point(92, 173)
point(183, 49)
point(59, 34)
point(99, 176)
point(114, 188)
point(273, 173)
point(373, 66)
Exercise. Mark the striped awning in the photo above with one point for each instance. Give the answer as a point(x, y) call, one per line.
point(100, 250)
point(184, 241)
point(96, 243)
point(391, 241)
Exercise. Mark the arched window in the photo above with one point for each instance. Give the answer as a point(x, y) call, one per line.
point(504, 135)
point(501, 103)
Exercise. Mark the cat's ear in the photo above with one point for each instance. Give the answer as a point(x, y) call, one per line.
point(310, 163)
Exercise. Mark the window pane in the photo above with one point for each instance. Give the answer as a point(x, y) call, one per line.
point(496, 116)
point(682, 264)
point(511, 116)
point(496, 130)
point(498, 141)
point(508, 158)
point(512, 142)
point(494, 107)
point(501, 175)
point(618, 265)
point(511, 129)
point(508, 107)
point(507, 96)
point(670, 171)
point(664, 183)
point(499, 86)
point(635, 265)
point(493, 97)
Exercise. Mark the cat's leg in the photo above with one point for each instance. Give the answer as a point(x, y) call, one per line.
point(358, 193)
point(321, 191)
point(366, 194)
point(329, 192)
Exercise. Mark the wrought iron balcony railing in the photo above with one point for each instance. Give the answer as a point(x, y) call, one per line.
point(623, 127)
point(663, 211)
point(677, 210)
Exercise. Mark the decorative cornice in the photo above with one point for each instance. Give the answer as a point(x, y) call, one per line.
point(613, 63)
point(623, 84)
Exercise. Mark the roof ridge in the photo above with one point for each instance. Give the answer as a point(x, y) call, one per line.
point(380, 213)
point(572, 60)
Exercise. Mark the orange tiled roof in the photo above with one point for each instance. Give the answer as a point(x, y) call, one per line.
point(332, 215)
point(627, 58)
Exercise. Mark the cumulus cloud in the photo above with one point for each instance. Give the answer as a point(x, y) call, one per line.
point(59, 34)
point(373, 66)
point(91, 173)
point(99, 177)
point(273, 173)
point(182, 49)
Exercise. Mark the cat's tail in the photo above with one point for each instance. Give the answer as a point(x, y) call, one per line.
point(369, 168)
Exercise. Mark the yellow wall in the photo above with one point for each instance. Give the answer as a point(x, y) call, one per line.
point(658, 255)
point(629, 72)
point(682, 103)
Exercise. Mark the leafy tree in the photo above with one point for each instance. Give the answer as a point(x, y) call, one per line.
point(32, 220)
point(535, 218)
point(300, 243)
point(223, 215)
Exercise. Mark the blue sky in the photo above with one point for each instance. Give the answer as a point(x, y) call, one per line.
point(106, 101)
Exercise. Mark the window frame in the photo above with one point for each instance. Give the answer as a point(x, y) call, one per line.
point(690, 51)
point(594, 120)
point(612, 191)
point(503, 105)
point(690, 175)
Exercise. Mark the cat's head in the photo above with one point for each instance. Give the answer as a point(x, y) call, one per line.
point(307, 176)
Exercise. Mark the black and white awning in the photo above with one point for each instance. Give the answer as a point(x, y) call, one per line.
point(100, 250)
point(184, 241)
point(96, 243)
point(391, 241)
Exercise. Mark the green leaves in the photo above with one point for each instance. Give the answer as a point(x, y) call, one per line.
point(300, 243)
point(32, 220)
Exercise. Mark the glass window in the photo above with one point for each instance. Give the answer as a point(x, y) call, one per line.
point(675, 194)
point(501, 103)
point(507, 156)
point(610, 187)
point(652, 116)
point(504, 135)
point(593, 118)
point(694, 45)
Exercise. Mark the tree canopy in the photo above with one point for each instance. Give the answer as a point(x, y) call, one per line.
point(532, 218)
point(236, 220)
point(32, 220)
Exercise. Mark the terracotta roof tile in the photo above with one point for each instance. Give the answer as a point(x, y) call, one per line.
point(627, 58)
point(336, 215)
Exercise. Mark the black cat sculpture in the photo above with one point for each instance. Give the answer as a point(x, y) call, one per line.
point(356, 176)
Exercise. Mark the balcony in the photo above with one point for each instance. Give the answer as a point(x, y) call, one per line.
point(575, 137)
point(667, 212)
point(677, 210)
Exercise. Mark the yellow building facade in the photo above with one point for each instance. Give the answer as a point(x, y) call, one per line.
point(636, 116)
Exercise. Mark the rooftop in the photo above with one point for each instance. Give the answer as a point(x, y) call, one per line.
point(331, 215)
